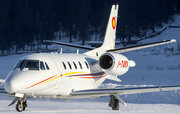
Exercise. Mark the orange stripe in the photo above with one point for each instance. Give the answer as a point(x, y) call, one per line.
point(40, 82)
point(56, 75)
point(94, 77)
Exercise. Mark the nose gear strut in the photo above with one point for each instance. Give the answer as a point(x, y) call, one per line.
point(21, 104)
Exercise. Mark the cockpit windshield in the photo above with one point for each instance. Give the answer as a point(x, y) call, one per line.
point(30, 64)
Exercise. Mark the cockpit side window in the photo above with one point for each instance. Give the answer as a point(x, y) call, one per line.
point(19, 64)
point(42, 65)
point(47, 67)
point(30, 64)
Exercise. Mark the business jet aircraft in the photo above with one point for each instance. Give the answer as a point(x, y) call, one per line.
point(74, 75)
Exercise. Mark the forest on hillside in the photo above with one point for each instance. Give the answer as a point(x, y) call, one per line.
point(26, 22)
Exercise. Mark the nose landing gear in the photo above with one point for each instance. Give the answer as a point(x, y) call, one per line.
point(20, 106)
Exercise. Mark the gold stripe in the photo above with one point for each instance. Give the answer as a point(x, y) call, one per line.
point(51, 79)
point(63, 75)
point(73, 73)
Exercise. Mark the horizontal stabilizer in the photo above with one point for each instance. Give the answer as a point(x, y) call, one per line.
point(132, 48)
point(69, 45)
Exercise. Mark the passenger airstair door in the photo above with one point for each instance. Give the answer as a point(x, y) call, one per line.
point(59, 73)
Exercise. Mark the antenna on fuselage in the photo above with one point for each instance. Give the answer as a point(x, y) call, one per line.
point(61, 50)
point(77, 51)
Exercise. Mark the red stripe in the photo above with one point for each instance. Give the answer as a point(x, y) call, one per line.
point(99, 73)
point(94, 77)
point(40, 82)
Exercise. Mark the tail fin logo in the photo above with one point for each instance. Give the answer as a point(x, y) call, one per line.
point(113, 23)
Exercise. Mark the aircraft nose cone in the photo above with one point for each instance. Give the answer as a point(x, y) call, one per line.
point(11, 86)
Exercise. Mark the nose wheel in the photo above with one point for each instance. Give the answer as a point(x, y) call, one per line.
point(21, 103)
point(20, 106)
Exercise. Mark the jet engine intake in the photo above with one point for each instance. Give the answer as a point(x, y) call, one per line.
point(115, 64)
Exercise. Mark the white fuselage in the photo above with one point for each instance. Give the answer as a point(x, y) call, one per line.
point(66, 72)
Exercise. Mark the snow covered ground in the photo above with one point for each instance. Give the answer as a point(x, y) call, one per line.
point(152, 68)
point(55, 107)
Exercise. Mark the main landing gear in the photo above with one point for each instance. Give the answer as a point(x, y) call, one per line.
point(114, 102)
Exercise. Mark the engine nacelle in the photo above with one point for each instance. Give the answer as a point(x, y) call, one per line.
point(115, 64)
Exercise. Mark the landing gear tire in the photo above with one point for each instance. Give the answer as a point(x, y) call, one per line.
point(24, 105)
point(20, 106)
point(116, 105)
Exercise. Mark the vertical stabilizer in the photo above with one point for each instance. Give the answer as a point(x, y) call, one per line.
point(110, 35)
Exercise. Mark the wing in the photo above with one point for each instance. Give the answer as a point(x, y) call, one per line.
point(132, 48)
point(2, 90)
point(69, 45)
point(121, 91)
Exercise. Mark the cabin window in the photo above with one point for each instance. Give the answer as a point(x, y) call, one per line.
point(42, 67)
point(69, 65)
point(64, 65)
point(80, 65)
point(30, 64)
point(86, 65)
point(75, 65)
point(47, 67)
